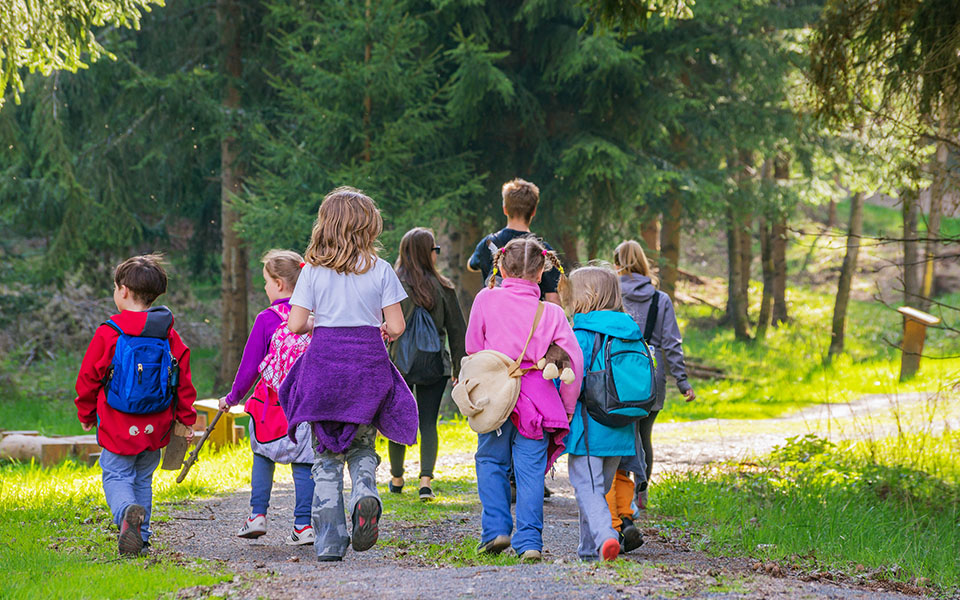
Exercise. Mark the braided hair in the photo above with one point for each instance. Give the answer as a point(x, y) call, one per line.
point(523, 258)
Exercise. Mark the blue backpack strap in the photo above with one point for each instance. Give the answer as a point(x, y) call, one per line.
point(109, 374)
point(110, 323)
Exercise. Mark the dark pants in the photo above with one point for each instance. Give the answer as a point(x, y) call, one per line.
point(428, 408)
point(645, 426)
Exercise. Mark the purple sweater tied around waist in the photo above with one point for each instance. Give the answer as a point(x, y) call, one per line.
point(346, 379)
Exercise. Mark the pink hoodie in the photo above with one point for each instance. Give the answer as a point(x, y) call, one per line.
point(500, 320)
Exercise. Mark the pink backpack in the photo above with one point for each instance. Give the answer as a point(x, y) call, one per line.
point(264, 405)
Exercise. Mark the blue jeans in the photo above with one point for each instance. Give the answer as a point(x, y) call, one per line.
point(261, 484)
point(128, 480)
point(529, 458)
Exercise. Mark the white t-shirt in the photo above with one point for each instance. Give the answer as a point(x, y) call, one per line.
point(347, 299)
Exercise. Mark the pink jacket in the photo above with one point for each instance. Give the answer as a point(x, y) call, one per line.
point(500, 320)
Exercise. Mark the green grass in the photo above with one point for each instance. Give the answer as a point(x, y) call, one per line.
point(890, 508)
point(886, 221)
point(787, 371)
point(56, 533)
point(459, 553)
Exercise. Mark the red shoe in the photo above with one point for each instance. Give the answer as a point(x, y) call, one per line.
point(130, 542)
point(610, 549)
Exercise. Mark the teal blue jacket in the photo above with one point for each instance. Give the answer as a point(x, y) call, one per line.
point(604, 441)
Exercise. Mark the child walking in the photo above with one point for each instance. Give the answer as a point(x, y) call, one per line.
point(532, 438)
point(430, 291)
point(344, 385)
point(268, 355)
point(653, 311)
point(595, 449)
point(134, 383)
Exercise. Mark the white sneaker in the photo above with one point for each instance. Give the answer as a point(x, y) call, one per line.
point(301, 537)
point(253, 527)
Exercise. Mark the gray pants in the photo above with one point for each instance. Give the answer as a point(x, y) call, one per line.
point(329, 521)
point(596, 525)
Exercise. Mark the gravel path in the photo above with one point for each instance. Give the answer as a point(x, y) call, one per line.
point(665, 567)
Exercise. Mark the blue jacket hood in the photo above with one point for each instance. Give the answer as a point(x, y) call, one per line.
point(609, 322)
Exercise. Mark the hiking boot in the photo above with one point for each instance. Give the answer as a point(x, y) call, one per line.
point(130, 543)
point(610, 549)
point(301, 536)
point(531, 556)
point(253, 527)
point(630, 536)
point(366, 519)
point(494, 546)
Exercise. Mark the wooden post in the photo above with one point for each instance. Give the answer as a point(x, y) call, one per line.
point(915, 325)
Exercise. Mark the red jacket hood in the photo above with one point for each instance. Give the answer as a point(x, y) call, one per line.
point(155, 322)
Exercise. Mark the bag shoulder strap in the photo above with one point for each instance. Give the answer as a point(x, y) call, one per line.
point(536, 321)
point(597, 344)
point(652, 314)
point(283, 315)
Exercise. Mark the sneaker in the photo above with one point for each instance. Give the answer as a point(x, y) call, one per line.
point(630, 536)
point(494, 546)
point(253, 527)
point(642, 499)
point(547, 492)
point(130, 543)
point(366, 518)
point(531, 556)
point(610, 549)
point(426, 493)
point(301, 536)
point(329, 558)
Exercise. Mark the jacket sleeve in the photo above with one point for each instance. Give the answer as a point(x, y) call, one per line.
point(186, 393)
point(672, 345)
point(481, 260)
point(476, 329)
point(564, 337)
point(253, 352)
point(90, 379)
point(456, 329)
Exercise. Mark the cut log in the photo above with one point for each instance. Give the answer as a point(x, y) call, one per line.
point(48, 450)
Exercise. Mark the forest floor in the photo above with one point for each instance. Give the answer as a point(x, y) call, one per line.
point(428, 553)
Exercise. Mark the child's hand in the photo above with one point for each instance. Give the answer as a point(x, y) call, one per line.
point(86, 426)
point(689, 395)
point(384, 334)
point(223, 404)
point(189, 435)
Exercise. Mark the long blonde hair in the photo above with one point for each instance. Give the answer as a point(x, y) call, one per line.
point(345, 233)
point(630, 258)
point(593, 288)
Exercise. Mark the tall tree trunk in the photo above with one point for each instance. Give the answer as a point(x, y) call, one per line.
point(367, 100)
point(650, 234)
point(457, 242)
point(746, 261)
point(766, 262)
point(937, 190)
point(911, 247)
point(670, 245)
point(832, 214)
point(234, 265)
point(778, 249)
point(736, 312)
point(568, 246)
point(846, 275)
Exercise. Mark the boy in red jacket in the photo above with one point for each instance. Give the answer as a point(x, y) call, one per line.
point(132, 440)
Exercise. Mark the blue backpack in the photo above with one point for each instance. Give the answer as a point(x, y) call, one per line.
point(625, 389)
point(143, 377)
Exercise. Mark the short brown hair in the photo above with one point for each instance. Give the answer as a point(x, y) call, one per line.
point(629, 256)
point(144, 277)
point(345, 233)
point(594, 288)
point(520, 199)
point(283, 264)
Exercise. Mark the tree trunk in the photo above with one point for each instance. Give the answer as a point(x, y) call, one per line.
point(234, 265)
point(650, 234)
point(778, 249)
point(735, 299)
point(766, 262)
point(846, 275)
point(911, 247)
point(937, 190)
point(746, 261)
point(832, 214)
point(457, 242)
point(670, 245)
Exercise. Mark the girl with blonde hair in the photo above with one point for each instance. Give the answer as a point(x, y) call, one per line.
point(653, 312)
point(344, 385)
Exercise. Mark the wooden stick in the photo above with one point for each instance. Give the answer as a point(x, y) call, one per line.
point(193, 455)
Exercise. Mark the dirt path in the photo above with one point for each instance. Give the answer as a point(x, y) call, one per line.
point(665, 567)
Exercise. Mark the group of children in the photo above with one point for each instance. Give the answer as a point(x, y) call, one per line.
point(324, 384)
